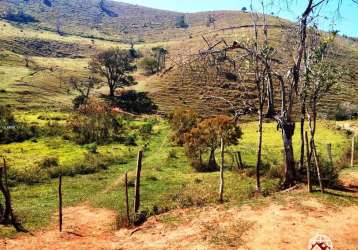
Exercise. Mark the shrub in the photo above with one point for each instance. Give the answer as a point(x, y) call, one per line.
point(146, 130)
point(135, 102)
point(181, 22)
point(11, 130)
point(207, 137)
point(329, 174)
point(78, 101)
point(19, 17)
point(346, 111)
point(150, 65)
point(48, 162)
point(92, 148)
point(130, 140)
point(94, 122)
point(182, 121)
point(53, 128)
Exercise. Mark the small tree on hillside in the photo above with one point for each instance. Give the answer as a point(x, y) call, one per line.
point(150, 65)
point(115, 65)
point(211, 21)
point(181, 22)
point(83, 87)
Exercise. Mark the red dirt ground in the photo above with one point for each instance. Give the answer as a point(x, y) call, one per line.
point(288, 226)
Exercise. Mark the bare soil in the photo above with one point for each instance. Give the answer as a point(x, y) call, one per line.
point(289, 224)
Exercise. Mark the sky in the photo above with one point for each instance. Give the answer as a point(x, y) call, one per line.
point(346, 23)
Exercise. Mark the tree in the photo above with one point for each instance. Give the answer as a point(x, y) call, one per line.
point(181, 22)
point(244, 9)
point(195, 146)
point(115, 65)
point(94, 121)
point(159, 53)
point(320, 76)
point(83, 87)
point(182, 121)
point(208, 134)
point(27, 60)
point(211, 21)
point(150, 65)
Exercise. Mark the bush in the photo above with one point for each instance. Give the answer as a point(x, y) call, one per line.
point(329, 174)
point(182, 121)
point(130, 140)
point(346, 111)
point(53, 128)
point(11, 130)
point(48, 162)
point(78, 101)
point(19, 17)
point(135, 102)
point(146, 130)
point(95, 122)
point(92, 148)
point(150, 65)
point(181, 22)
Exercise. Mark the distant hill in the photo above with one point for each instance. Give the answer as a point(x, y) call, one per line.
point(114, 20)
point(42, 28)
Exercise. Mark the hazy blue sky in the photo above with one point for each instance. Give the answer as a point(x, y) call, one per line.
point(347, 24)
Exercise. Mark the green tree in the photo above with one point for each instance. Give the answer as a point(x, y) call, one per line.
point(207, 137)
point(150, 65)
point(115, 65)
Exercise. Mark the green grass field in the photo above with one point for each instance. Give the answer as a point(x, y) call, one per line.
point(168, 181)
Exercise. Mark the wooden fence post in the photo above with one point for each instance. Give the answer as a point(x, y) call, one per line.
point(137, 182)
point(329, 151)
point(313, 148)
point(221, 189)
point(309, 184)
point(60, 202)
point(240, 160)
point(126, 195)
point(352, 154)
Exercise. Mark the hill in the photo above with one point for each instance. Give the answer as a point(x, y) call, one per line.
point(63, 33)
point(110, 19)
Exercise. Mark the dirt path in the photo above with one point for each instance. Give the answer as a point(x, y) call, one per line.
point(276, 226)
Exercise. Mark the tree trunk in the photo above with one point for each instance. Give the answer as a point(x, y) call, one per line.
point(302, 133)
point(308, 167)
point(313, 148)
point(126, 197)
point(259, 152)
point(200, 158)
point(111, 91)
point(221, 189)
point(8, 216)
point(290, 170)
point(137, 182)
point(271, 98)
point(60, 202)
point(212, 161)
